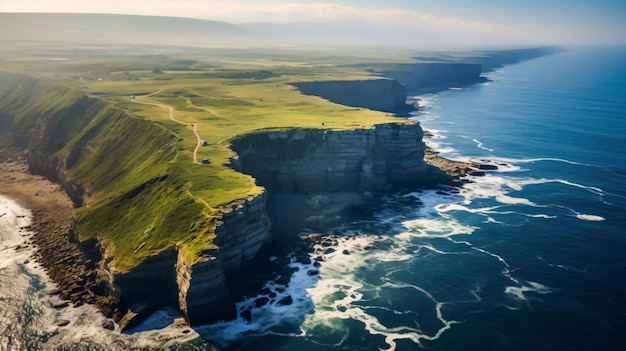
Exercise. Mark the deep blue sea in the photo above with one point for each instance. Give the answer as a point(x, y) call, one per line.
point(531, 256)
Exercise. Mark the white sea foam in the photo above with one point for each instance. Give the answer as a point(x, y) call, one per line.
point(272, 317)
point(341, 295)
point(26, 313)
point(592, 218)
point(479, 144)
point(518, 292)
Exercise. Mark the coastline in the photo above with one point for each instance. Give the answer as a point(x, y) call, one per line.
point(50, 206)
point(52, 227)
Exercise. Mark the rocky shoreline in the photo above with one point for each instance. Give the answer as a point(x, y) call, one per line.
point(78, 278)
point(52, 223)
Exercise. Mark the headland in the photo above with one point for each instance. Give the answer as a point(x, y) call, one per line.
point(121, 134)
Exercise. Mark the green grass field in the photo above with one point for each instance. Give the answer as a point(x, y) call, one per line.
point(147, 193)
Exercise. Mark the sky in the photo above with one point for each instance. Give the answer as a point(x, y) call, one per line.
point(450, 21)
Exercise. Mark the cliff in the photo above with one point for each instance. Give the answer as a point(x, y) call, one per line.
point(377, 94)
point(431, 77)
point(492, 59)
point(427, 77)
point(148, 240)
point(436, 73)
point(307, 161)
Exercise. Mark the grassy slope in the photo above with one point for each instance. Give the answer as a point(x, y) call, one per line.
point(148, 195)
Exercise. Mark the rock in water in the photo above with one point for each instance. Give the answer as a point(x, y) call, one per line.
point(288, 300)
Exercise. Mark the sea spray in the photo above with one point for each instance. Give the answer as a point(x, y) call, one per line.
point(29, 319)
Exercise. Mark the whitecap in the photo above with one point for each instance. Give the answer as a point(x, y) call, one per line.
point(592, 218)
point(519, 292)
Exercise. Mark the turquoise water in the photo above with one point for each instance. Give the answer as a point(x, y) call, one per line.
point(530, 256)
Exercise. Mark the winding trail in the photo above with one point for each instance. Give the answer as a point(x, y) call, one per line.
point(194, 126)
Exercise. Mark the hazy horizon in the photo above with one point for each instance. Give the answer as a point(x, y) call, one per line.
point(451, 22)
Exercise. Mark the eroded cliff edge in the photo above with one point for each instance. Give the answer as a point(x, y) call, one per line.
point(311, 160)
point(146, 241)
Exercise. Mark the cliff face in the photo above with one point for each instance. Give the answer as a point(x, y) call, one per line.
point(243, 228)
point(356, 160)
point(422, 78)
point(377, 94)
point(82, 144)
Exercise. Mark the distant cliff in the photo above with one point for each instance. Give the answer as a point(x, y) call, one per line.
point(431, 77)
point(377, 94)
point(491, 59)
point(430, 74)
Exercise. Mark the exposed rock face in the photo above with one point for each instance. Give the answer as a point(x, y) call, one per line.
point(146, 288)
point(422, 78)
point(291, 161)
point(378, 94)
point(202, 294)
point(244, 227)
point(355, 160)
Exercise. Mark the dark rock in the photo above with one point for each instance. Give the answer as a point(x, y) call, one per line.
point(329, 251)
point(345, 252)
point(486, 167)
point(60, 305)
point(282, 280)
point(313, 272)
point(247, 315)
point(63, 323)
point(304, 259)
point(261, 301)
point(287, 300)
point(108, 324)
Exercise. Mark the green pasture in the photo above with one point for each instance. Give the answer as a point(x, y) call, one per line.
point(147, 194)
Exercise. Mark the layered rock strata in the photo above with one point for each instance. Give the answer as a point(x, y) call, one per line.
point(310, 160)
point(244, 227)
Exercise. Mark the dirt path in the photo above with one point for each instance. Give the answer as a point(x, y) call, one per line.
point(194, 126)
point(198, 144)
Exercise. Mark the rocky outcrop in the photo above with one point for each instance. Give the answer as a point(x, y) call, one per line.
point(310, 160)
point(376, 94)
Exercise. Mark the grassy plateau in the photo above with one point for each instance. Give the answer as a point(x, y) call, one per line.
point(126, 122)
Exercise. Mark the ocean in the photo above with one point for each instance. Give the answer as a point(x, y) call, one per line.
point(527, 257)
